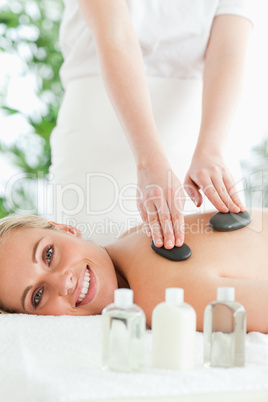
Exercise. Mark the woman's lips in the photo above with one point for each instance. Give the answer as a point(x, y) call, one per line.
point(79, 286)
point(91, 290)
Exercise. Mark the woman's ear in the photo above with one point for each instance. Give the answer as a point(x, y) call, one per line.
point(67, 228)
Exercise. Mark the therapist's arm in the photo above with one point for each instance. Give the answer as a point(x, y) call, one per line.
point(223, 78)
point(121, 64)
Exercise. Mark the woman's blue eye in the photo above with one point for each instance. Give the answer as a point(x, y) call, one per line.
point(49, 254)
point(38, 297)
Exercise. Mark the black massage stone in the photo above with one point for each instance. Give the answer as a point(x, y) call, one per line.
point(225, 222)
point(174, 254)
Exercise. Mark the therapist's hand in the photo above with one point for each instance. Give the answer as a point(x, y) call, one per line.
point(210, 174)
point(160, 200)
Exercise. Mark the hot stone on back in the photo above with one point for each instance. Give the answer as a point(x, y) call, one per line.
point(225, 222)
point(175, 254)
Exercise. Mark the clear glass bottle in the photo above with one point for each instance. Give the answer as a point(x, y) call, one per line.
point(173, 332)
point(224, 331)
point(124, 326)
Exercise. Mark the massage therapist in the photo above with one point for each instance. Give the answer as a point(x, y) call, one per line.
point(125, 67)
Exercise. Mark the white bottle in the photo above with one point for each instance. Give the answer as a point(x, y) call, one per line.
point(224, 331)
point(173, 332)
point(124, 325)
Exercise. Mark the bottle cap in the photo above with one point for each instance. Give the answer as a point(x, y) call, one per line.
point(123, 297)
point(174, 296)
point(225, 294)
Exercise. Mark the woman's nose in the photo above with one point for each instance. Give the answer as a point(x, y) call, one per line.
point(64, 283)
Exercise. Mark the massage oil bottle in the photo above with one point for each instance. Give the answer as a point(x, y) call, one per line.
point(173, 332)
point(124, 325)
point(224, 331)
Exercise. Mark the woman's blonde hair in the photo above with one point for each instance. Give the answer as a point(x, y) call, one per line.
point(13, 222)
point(17, 222)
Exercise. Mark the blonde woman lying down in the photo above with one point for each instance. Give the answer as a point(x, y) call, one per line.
point(45, 268)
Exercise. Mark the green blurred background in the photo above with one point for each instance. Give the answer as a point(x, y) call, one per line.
point(29, 31)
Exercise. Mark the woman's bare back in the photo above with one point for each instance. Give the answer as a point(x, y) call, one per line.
point(238, 258)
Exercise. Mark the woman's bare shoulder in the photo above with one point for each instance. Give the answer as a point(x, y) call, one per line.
point(135, 229)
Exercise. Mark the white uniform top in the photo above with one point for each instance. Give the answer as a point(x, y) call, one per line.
point(173, 35)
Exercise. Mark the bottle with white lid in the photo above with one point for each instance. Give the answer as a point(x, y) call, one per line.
point(224, 331)
point(124, 325)
point(173, 332)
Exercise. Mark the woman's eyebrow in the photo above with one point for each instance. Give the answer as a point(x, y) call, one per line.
point(34, 250)
point(24, 295)
point(26, 290)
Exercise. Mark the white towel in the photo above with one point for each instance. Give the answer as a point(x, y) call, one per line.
point(59, 359)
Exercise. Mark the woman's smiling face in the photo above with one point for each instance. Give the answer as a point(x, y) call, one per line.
point(51, 272)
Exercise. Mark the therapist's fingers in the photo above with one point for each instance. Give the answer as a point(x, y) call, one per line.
point(144, 217)
point(231, 188)
point(154, 223)
point(178, 226)
point(193, 190)
point(212, 194)
point(165, 220)
point(156, 206)
point(169, 207)
point(224, 195)
point(176, 201)
point(216, 182)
